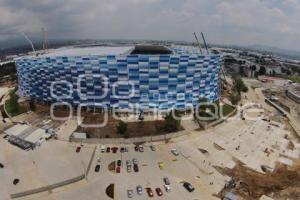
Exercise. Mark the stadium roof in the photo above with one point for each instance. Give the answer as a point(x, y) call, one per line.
point(87, 51)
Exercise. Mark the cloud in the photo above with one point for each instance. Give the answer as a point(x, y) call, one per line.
point(269, 22)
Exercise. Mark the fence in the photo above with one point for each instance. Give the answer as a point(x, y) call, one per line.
point(129, 140)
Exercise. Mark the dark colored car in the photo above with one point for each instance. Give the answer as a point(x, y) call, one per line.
point(118, 170)
point(158, 192)
point(16, 181)
point(149, 192)
point(167, 181)
point(122, 149)
point(107, 149)
point(97, 168)
point(114, 149)
point(188, 186)
point(119, 163)
point(136, 148)
point(1, 165)
point(78, 149)
point(136, 168)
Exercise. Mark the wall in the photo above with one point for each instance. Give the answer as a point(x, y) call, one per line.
point(161, 81)
point(129, 140)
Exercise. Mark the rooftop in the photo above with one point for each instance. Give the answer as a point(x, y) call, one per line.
point(87, 51)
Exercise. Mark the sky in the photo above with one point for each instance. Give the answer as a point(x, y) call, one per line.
point(238, 22)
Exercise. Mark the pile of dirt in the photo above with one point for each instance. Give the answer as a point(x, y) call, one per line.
point(282, 183)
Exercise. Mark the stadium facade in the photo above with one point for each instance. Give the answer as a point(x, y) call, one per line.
point(141, 81)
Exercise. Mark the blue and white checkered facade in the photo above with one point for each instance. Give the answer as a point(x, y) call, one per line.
point(143, 82)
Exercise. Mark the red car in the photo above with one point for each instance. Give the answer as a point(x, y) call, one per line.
point(149, 191)
point(118, 170)
point(136, 168)
point(78, 149)
point(114, 149)
point(158, 192)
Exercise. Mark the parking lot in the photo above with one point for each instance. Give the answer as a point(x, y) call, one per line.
point(255, 143)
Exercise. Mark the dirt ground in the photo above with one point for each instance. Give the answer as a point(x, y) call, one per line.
point(134, 129)
point(282, 183)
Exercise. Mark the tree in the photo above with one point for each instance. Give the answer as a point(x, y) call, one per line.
point(172, 122)
point(122, 128)
point(240, 86)
point(12, 103)
point(235, 98)
point(262, 70)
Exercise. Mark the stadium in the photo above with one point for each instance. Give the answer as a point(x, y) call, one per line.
point(139, 77)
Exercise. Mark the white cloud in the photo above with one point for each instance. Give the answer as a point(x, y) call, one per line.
point(233, 21)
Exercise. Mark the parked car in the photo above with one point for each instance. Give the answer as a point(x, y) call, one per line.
point(129, 168)
point(97, 168)
point(78, 149)
point(130, 193)
point(188, 186)
point(158, 192)
point(126, 149)
point(102, 149)
point(107, 149)
point(136, 148)
point(167, 188)
point(1, 165)
point(167, 181)
point(161, 165)
point(175, 152)
point(118, 170)
point(119, 163)
point(139, 190)
point(149, 192)
point(134, 161)
point(114, 149)
point(16, 181)
point(98, 159)
point(153, 148)
point(128, 162)
point(122, 149)
point(136, 168)
point(141, 148)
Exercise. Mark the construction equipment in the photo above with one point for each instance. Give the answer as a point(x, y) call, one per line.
point(45, 39)
point(200, 49)
point(205, 45)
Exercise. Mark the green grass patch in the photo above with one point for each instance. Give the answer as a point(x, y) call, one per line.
point(12, 109)
point(227, 109)
point(295, 79)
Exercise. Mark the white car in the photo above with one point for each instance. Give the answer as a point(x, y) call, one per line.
point(141, 148)
point(175, 152)
point(130, 193)
point(102, 149)
point(167, 188)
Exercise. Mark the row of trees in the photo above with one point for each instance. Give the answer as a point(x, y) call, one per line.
point(171, 124)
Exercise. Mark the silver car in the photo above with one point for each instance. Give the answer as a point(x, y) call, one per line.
point(139, 190)
point(175, 152)
point(130, 193)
